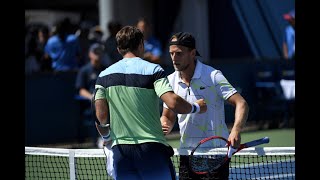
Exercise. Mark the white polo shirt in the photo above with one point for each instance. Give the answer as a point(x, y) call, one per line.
point(210, 84)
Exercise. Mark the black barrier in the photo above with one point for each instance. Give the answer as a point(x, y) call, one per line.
point(51, 112)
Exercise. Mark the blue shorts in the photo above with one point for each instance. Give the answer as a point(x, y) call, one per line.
point(143, 161)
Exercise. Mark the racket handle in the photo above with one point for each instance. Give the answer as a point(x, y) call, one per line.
point(264, 140)
point(231, 151)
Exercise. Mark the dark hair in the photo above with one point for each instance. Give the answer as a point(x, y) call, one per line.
point(129, 39)
point(97, 49)
point(114, 27)
point(63, 28)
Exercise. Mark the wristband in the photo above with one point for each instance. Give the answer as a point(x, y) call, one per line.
point(197, 107)
point(106, 137)
point(193, 108)
point(104, 125)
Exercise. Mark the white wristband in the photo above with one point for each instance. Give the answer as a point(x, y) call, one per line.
point(197, 107)
point(104, 125)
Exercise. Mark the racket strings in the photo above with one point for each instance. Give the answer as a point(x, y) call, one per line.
point(206, 163)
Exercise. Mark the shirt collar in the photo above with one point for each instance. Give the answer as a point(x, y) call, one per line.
point(198, 70)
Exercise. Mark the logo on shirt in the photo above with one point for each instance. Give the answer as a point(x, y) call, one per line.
point(201, 87)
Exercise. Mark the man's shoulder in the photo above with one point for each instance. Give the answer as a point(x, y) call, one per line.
point(172, 76)
point(150, 66)
point(208, 69)
point(207, 66)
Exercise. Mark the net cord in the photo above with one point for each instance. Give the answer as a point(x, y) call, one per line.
point(100, 153)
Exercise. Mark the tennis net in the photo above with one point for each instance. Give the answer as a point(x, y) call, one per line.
point(59, 163)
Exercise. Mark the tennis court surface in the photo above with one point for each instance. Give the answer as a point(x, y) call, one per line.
point(60, 163)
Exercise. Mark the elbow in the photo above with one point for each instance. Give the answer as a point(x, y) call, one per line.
point(245, 106)
point(173, 102)
point(102, 118)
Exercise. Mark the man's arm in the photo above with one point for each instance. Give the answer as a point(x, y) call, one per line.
point(167, 119)
point(241, 115)
point(102, 112)
point(179, 105)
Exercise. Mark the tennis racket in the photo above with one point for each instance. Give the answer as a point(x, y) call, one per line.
point(204, 160)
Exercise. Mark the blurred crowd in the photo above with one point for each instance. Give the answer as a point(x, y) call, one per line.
point(65, 46)
point(84, 49)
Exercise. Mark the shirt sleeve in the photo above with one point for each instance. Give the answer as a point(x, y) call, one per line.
point(100, 92)
point(162, 86)
point(224, 88)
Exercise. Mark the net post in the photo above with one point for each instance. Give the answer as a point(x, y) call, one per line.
point(72, 164)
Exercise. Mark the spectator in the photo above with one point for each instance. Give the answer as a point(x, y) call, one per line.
point(88, 74)
point(95, 35)
point(85, 81)
point(152, 45)
point(83, 33)
point(193, 80)
point(32, 64)
point(45, 61)
point(289, 36)
point(127, 97)
point(111, 42)
point(64, 48)
point(287, 81)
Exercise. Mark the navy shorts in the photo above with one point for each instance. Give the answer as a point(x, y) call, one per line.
point(143, 161)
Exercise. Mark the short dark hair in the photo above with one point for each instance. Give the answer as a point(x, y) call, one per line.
point(129, 39)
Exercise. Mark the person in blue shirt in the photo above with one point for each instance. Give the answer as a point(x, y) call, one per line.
point(85, 82)
point(88, 74)
point(152, 45)
point(64, 48)
point(289, 36)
